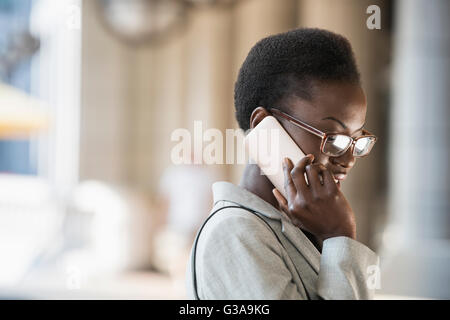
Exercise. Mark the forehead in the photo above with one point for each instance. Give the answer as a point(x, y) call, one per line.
point(343, 101)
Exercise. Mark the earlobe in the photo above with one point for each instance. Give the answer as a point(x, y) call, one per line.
point(257, 116)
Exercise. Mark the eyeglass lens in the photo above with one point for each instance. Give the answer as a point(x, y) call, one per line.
point(336, 145)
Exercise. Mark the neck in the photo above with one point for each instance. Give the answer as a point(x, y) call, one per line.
point(257, 183)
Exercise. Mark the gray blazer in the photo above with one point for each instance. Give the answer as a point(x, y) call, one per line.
point(239, 257)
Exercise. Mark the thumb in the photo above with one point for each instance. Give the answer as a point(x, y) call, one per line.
point(282, 202)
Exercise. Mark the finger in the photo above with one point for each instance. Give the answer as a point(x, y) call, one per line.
point(282, 202)
point(289, 186)
point(298, 174)
point(321, 169)
point(313, 172)
point(328, 180)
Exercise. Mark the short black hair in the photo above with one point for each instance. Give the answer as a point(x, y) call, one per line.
point(286, 62)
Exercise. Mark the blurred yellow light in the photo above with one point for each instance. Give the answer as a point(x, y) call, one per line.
point(20, 114)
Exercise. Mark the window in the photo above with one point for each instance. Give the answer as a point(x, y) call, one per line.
point(17, 47)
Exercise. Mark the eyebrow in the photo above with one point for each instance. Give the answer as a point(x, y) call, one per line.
point(340, 122)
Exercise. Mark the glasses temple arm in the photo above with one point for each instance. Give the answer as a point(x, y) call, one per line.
point(298, 123)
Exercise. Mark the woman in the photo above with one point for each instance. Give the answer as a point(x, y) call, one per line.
point(258, 244)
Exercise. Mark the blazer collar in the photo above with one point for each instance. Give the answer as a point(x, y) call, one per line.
point(226, 191)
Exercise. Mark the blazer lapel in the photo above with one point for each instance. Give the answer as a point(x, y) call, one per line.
point(301, 242)
point(302, 252)
point(232, 193)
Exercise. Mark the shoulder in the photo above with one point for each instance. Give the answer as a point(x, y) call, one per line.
point(230, 217)
point(235, 230)
point(238, 255)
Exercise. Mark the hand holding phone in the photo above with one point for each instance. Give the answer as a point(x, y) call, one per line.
point(320, 207)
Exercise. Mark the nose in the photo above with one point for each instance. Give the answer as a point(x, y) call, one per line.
point(347, 160)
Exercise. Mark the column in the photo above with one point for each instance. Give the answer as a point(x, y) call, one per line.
point(416, 243)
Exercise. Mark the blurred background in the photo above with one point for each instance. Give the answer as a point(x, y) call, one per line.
point(91, 204)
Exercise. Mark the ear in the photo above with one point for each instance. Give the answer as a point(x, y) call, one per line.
point(257, 115)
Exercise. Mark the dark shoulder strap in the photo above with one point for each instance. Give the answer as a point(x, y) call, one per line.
point(194, 248)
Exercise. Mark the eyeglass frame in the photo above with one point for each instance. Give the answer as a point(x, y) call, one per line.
point(323, 135)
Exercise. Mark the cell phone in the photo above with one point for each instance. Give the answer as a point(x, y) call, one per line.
point(267, 145)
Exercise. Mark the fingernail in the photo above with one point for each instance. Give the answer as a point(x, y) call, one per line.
point(311, 157)
point(285, 162)
point(275, 193)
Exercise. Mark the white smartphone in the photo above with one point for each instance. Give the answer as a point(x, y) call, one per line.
point(267, 145)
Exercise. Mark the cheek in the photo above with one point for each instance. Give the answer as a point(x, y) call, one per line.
point(310, 145)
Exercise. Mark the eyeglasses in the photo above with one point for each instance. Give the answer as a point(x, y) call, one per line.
point(334, 144)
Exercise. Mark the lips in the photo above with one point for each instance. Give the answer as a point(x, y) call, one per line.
point(339, 176)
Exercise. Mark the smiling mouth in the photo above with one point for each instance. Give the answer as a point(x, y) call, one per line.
point(339, 176)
